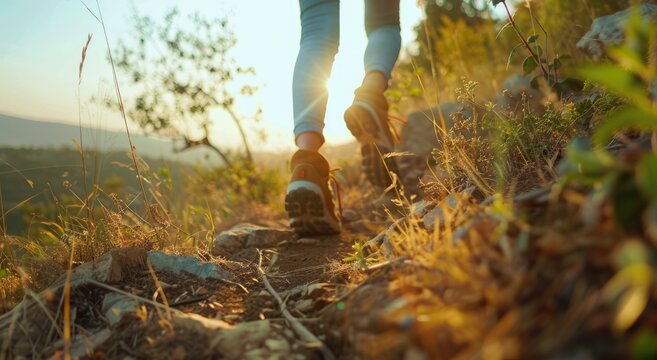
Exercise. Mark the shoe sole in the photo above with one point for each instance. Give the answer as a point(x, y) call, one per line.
point(377, 170)
point(308, 214)
point(366, 130)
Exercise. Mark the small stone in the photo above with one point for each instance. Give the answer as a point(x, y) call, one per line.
point(433, 218)
point(186, 264)
point(256, 354)
point(264, 293)
point(277, 345)
point(361, 227)
point(304, 305)
point(248, 235)
point(418, 209)
point(202, 291)
point(350, 215)
point(116, 305)
point(308, 241)
point(317, 289)
point(268, 311)
point(232, 317)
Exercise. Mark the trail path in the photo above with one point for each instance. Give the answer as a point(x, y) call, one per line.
point(232, 318)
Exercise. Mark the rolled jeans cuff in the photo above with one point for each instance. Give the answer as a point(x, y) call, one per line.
point(305, 127)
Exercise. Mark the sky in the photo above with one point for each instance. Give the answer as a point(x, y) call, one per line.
point(42, 42)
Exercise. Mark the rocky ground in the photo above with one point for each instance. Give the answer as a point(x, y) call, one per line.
point(136, 304)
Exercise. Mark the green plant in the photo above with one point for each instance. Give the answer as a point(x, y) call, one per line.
point(539, 58)
point(361, 257)
point(627, 183)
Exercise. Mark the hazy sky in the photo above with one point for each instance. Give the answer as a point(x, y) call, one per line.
point(41, 42)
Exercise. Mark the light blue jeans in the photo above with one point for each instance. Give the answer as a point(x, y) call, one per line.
point(320, 39)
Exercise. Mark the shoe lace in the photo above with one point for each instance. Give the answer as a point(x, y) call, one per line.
point(393, 129)
point(338, 188)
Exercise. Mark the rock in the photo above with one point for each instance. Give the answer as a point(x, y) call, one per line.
point(350, 215)
point(199, 324)
point(420, 136)
point(31, 316)
point(187, 264)
point(437, 215)
point(434, 217)
point(308, 241)
point(304, 305)
point(361, 227)
point(420, 208)
point(84, 345)
point(116, 305)
point(382, 242)
point(109, 268)
point(609, 31)
point(248, 235)
point(538, 196)
point(317, 289)
point(518, 93)
point(248, 335)
point(277, 345)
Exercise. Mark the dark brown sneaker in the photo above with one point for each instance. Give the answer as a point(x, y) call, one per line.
point(309, 202)
point(367, 119)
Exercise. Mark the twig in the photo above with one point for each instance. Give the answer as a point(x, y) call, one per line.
point(236, 284)
point(190, 301)
point(301, 330)
point(383, 265)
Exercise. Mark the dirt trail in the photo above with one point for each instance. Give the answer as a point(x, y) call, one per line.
point(298, 264)
point(309, 274)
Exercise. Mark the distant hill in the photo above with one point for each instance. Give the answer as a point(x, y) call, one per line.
point(18, 132)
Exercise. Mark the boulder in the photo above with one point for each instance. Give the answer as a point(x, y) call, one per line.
point(248, 235)
point(517, 93)
point(420, 136)
point(608, 31)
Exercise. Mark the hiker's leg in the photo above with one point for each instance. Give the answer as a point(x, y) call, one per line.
point(367, 117)
point(320, 36)
point(383, 41)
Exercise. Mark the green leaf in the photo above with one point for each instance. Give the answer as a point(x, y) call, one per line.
point(532, 39)
point(646, 176)
point(628, 205)
point(529, 65)
point(618, 80)
point(568, 85)
point(564, 57)
point(585, 165)
point(628, 118)
point(513, 52)
point(535, 83)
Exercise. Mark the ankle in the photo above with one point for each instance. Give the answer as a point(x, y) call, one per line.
point(309, 141)
point(375, 80)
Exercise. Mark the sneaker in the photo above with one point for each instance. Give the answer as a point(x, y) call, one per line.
point(310, 202)
point(367, 119)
